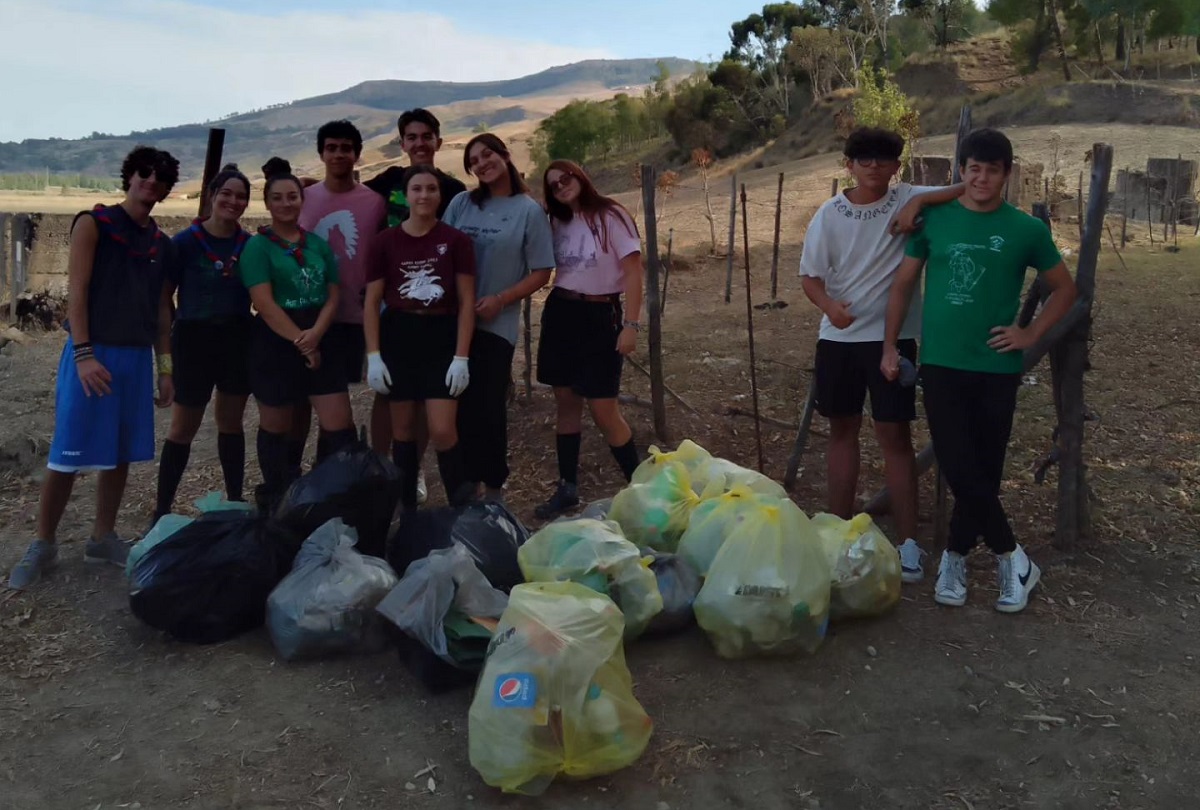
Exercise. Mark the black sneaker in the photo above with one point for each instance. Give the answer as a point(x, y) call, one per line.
point(565, 497)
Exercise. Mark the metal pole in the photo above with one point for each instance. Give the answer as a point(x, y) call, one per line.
point(654, 307)
point(775, 249)
point(732, 232)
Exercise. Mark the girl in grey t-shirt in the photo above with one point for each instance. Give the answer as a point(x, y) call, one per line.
point(514, 256)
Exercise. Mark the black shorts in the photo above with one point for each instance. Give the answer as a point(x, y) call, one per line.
point(417, 349)
point(210, 354)
point(278, 375)
point(846, 372)
point(578, 346)
point(349, 344)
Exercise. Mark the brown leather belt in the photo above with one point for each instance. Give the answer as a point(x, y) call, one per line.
point(571, 295)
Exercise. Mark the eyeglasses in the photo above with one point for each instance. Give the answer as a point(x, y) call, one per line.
point(874, 161)
point(562, 182)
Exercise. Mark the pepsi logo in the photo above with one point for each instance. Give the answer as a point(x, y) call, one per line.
point(509, 689)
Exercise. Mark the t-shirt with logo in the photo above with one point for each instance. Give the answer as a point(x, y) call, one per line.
point(587, 259)
point(975, 269)
point(206, 291)
point(512, 237)
point(420, 272)
point(851, 248)
point(389, 184)
point(348, 221)
point(298, 279)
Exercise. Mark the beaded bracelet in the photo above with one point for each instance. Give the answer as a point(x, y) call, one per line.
point(84, 351)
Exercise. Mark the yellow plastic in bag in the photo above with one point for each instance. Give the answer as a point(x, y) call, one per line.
point(555, 695)
point(713, 520)
point(710, 476)
point(863, 563)
point(595, 553)
point(767, 591)
point(655, 514)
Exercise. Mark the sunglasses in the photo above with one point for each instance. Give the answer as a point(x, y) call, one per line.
point(562, 182)
point(147, 170)
point(874, 161)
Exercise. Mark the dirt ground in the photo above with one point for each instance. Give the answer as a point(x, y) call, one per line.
point(1086, 700)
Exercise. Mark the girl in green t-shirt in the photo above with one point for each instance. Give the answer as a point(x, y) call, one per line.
point(292, 277)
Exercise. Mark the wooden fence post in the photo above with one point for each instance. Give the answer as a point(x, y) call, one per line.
point(750, 332)
point(775, 249)
point(212, 166)
point(964, 129)
point(1079, 205)
point(654, 308)
point(662, 308)
point(1125, 209)
point(732, 233)
point(4, 218)
point(527, 374)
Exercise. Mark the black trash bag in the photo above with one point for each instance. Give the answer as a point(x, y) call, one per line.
point(209, 581)
point(354, 484)
point(491, 533)
point(678, 583)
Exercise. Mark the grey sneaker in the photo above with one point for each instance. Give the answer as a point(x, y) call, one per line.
point(39, 558)
point(108, 549)
point(951, 588)
point(911, 556)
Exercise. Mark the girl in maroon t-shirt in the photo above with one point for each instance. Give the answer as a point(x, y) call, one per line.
point(423, 272)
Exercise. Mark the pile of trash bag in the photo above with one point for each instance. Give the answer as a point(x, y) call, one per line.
point(355, 484)
point(714, 520)
point(326, 605)
point(678, 584)
point(655, 513)
point(767, 590)
point(163, 528)
point(490, 532)
point(708, 474)
point(594, 553)
point(209, 581)
point(446, 610)
point(555, 696)
point(864, 566)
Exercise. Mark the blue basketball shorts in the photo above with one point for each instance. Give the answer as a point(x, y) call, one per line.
point(102, 432)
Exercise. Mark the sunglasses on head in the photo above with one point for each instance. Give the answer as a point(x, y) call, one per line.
point(562, 182)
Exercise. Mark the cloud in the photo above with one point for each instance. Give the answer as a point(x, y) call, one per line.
point(123, 65)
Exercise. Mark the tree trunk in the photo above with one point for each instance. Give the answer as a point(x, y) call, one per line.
point(1122, 46)
point(1035, 47)
point(1062, 50)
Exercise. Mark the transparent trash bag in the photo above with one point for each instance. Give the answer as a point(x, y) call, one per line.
point(864, 566)
point(555, 696)
point(655, 514)
point(708, 474)
point(326, 605)
point(713, 521)
point(595, 553)
point(163, 528)
point(767, 591)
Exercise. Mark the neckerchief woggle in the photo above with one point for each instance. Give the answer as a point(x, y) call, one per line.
point(197, 231)
point(296, 251)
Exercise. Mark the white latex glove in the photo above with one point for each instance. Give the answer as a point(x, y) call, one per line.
point(378, 376)
point(457, 376)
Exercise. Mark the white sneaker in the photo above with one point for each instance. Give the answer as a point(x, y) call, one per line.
point(951, 588)
point(422, 490)
point(1018, 577)
point(911, 557)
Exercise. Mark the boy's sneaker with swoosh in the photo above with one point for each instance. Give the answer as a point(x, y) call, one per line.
point(1018, 577)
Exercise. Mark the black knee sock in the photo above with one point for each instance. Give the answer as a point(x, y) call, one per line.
point(450, 465)
point(568, 456)
point(627, 457)
point(277, 473)
point(171, 464)
point(231, 450)
point(295, 453)
point(404, 455)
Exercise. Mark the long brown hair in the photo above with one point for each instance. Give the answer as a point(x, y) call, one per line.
point(481, 192)
point(592, 204)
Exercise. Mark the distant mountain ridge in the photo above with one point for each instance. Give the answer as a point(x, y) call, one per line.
point(289, 129)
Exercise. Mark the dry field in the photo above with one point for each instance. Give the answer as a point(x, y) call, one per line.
point(1087, 700)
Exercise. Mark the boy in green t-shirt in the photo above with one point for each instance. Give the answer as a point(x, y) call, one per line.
point(975, 252)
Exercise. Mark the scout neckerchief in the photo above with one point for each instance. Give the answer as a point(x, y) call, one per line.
point(296, 251)
point(198, 232)
point(110, 229)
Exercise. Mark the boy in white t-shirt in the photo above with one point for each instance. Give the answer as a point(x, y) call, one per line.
point(853, 247)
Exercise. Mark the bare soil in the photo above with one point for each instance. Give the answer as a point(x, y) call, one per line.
point(1086, 700)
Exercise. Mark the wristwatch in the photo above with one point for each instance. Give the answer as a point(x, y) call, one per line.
point(634, 325)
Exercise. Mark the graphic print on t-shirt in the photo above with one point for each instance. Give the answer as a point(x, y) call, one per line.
point(421, 282)
point(576, 257)
point(965, 271)
point(344, 224)
point(309, 279)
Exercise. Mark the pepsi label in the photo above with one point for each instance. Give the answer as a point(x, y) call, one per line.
point(515, 690)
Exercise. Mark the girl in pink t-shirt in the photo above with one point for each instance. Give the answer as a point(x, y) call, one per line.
point(585, 336)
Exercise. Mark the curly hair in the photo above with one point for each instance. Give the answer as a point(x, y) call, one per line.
point(149, 159)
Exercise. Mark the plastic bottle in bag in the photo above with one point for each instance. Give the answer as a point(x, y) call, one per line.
point(864, 566)
point(655, 514)
point(767, 591)
point(714, 520)
point(555, 696)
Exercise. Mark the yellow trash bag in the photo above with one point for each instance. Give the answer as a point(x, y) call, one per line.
point(713, 520)
point(654, 514)
point(555, 695)
point(710, 476)
point(767, 591)
point(864, 564)
point(689, 454)
point(595, 553)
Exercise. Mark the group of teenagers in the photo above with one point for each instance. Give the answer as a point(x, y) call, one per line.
point(409, 280)
point(416, 283)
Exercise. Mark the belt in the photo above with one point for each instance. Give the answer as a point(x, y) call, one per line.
point(571, 295)
point(421, 312)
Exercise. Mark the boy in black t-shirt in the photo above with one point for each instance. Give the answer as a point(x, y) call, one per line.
point(104, 397)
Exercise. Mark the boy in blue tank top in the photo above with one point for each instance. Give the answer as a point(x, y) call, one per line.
point(117, 317)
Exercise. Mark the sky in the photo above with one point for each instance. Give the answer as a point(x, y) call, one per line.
point(119, 65)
